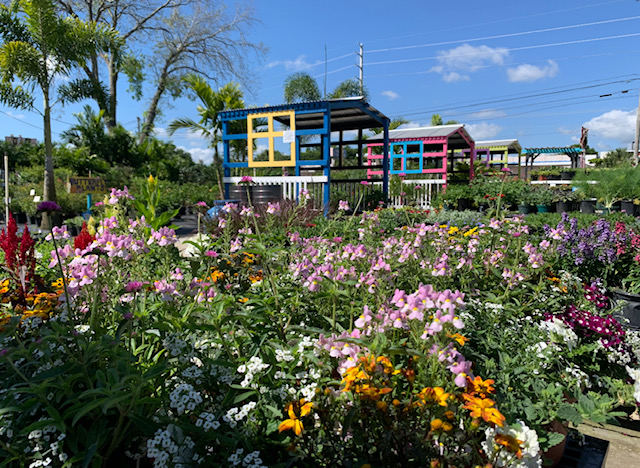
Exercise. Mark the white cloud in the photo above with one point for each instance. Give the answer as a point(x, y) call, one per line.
point(300, 63)
point(529, 73)
point(412, 124)
point(566, 131)
point(616, 125)
point(391, 95)
point(15, 116)
point(488, 114)
point(483, 130)
point(455, 64)
point(199, 154)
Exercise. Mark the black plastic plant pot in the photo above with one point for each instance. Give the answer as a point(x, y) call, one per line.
point(564, 206)
point(628, 207)
point(526, 209)
point(464, 204)
point(588, 206)
point(566, 175)
point(630, 308)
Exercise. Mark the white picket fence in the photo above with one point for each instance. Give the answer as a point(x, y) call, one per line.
point(424, 196)
point(291, 185)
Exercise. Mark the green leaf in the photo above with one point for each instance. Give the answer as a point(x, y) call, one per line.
point(569, 413)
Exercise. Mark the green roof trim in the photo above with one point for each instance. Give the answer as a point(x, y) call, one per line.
point(552, 151)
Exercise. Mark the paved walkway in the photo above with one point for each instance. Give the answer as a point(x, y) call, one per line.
point(624, 444)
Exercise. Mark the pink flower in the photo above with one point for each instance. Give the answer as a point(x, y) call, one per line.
point(246, 180)
point(211, 253)
point(364, 182)
point(201, 203)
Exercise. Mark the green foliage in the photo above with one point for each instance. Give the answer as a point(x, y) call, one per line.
point(148, 208)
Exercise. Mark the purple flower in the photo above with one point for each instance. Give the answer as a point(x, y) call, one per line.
point(211, 253)
point(48, 206)
point(133, 286)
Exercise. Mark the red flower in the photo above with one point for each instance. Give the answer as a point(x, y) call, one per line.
point(84, 239)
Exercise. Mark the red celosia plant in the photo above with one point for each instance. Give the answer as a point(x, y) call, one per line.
point(19, 255)
point(84, 239)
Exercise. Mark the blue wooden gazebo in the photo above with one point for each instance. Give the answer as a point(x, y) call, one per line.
point(320, 125)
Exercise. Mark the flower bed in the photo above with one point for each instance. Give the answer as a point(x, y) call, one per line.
point(289, 340)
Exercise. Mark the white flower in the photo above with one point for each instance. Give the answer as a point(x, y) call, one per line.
point(529, 446)
point(559, 332)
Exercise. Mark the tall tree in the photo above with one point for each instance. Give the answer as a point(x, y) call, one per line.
point(302, 87)
point(436, 119)
point(209, 41)
point(136, 21)
point(38, 46)
point(211, 104)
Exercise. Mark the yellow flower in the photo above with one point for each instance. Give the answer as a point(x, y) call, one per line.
point(481, 387)
point(294, 422)
point(471, 232)
point(435, 395)
point(439, 425)
point(459, 338)
point(483, 408)
point(512, 444)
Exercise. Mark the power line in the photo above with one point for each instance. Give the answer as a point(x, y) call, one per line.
point(516, 97)
point(538, 46)
point(20, 120)
point(501, 36)
point(513, 18)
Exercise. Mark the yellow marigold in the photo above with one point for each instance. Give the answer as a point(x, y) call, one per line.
point(471, 232)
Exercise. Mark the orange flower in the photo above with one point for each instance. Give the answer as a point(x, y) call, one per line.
point(459, 338)
point(439, 425)
point(480, 387)
point(483, 408)
point(512, 444)
point(435, 395)
point(294, 422)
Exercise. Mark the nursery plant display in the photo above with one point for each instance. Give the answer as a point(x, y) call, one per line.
point(388, 338)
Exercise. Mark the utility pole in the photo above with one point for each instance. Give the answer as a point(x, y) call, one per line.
point(635, 149)
point(361, 66)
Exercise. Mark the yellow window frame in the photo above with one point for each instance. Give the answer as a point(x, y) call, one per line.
point(270, 134)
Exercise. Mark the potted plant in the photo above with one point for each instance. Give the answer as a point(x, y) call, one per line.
point(567, 174)
point(527, 200)
point(553, 174)
point(543, 199)
point(606, 185)
point(565, 199)
point(456, 196)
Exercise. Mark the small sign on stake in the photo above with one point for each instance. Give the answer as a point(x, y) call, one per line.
point(288, 136)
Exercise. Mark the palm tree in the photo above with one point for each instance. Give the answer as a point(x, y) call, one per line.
point(211, 104)
point(37, 47)
point(436, 119)
point(302, 87)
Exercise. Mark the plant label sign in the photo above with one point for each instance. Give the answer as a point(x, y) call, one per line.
point(87, 185)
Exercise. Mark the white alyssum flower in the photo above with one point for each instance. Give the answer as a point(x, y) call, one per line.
point(560, 333)
point(529, 446)
point(635, 375)
point(184, 398)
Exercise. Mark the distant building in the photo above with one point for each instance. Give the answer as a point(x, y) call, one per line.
point(20, 140)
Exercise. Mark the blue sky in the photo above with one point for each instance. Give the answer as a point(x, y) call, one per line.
point(535, 71)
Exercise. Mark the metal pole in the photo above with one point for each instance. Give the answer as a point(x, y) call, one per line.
point(635, 149)
point(6, 189)
point(361, 76)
